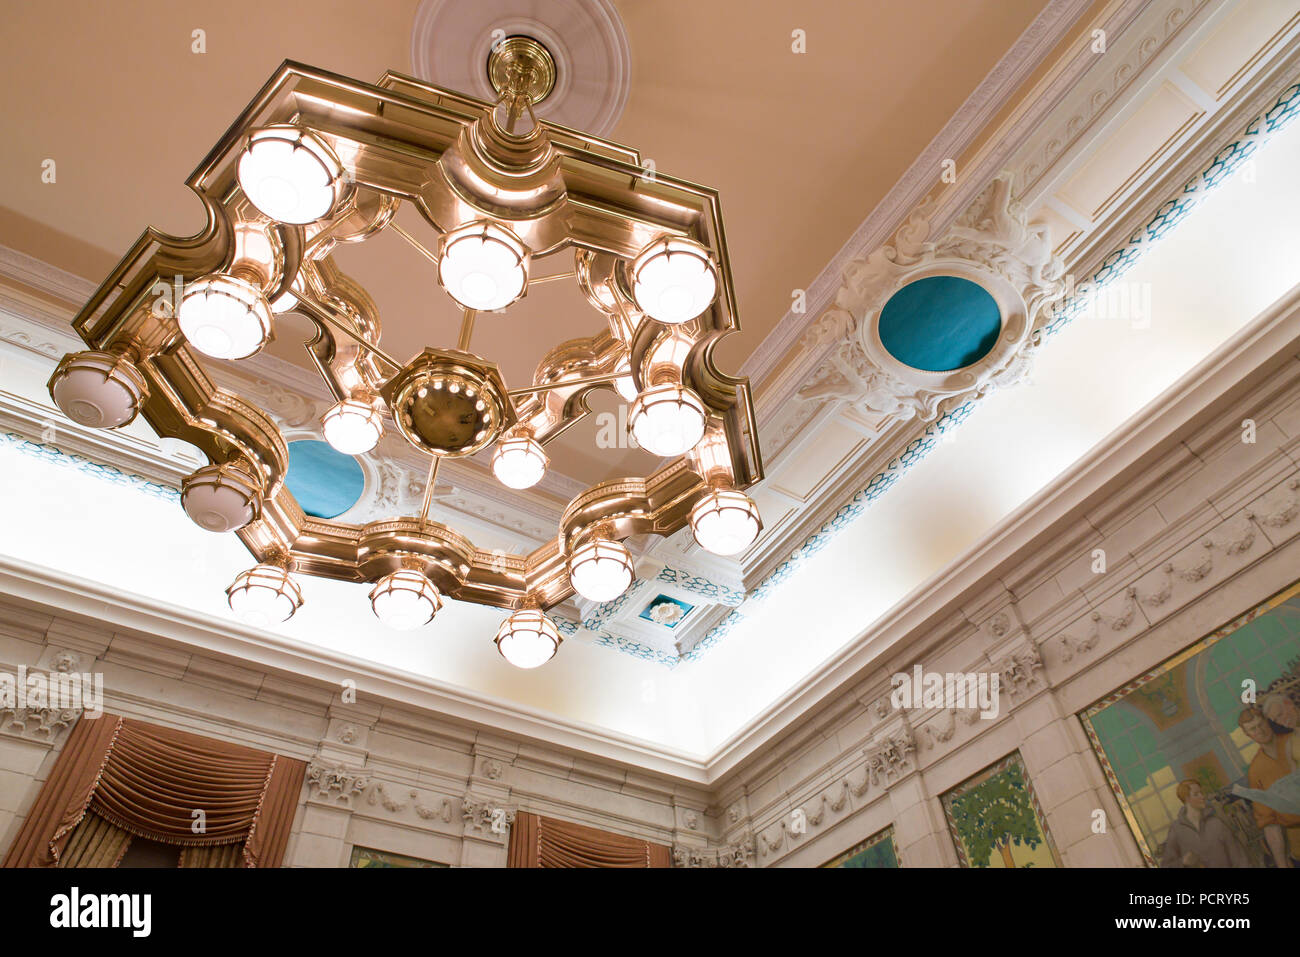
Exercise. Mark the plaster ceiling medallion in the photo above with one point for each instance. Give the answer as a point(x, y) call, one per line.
point(591, 69)
point(317, 161)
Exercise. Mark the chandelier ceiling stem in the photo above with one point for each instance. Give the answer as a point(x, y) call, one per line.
point(428, 490)
point(419, 246)
point(466, 330)
point(566, 384)
point(513, 117)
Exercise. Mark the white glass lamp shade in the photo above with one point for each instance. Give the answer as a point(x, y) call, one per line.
point(725, 521)
point(519, 461)
point(284, 302)
point(288, 299)
point(291, 175)
point(98, 389)
point(625, 385)
point(405, 600)
point(674, 280)
point(528, 638)
point(264, 595)
point(221, 498)
point(667, 420)
point(353, 426)
point(483, 266)
point(601, 569)
point(225, 317)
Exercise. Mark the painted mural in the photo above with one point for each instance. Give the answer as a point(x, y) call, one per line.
point(996, 820)
point(1201, 751)
point(366, 857)
point(876, 851)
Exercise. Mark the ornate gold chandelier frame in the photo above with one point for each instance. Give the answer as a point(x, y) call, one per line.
point(558, 191)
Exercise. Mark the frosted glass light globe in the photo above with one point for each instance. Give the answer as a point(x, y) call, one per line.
point(291, 175)
point(221, 498)
point(352, 426)
point(625, 385)
point(600, 570)
point(284, 302)
point(288, 300)
point(528, 638)
point(405, 600)
point(725, 522)
point(519, 461)
point(674, 280)
point(482, 266)
point(224, 317)
point(667, 420)
point(264, 595)
point(98, 389)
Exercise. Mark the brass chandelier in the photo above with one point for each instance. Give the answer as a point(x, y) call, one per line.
point(318, 160)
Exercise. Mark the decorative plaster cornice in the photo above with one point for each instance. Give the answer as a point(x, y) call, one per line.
point(36, 274)
point(993, 94)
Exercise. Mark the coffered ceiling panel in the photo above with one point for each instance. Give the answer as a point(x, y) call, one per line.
point(1234, 45)
point(1139, 142)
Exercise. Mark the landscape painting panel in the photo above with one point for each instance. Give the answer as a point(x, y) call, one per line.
point(996, 820)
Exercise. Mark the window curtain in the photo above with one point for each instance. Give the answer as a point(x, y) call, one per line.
point(95, 843)
point(215, 855)
point(118, 777)
point(537, 841)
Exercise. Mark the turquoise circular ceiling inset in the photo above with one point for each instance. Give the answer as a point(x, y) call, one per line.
point(940, 323)
point(326, 483)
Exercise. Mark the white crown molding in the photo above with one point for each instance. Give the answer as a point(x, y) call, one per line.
point(1085, 97)
point(37, 274)
point(1255, 94)
point(993, 94)
point(150, 621)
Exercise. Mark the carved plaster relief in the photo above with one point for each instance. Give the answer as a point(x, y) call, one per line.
point(738, 854)
point(335, 784)
point(1020, 671)
point(992, 245)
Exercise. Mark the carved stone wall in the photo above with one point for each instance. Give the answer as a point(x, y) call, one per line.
point(1179, 543)
point(378, 776)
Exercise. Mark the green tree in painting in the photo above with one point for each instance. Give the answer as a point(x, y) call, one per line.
point(995, 815)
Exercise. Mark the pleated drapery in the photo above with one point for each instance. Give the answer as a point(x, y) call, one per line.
point(62, 801)
point(156, 783)
point(216, 855)
point(537, 841)
point(95, 843)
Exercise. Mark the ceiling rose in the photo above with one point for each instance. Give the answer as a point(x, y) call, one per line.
point(451, 43)
point(318, 160)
